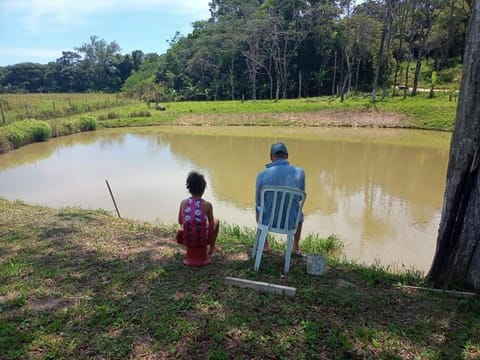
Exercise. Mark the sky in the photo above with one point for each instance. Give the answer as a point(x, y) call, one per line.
point(39, 30)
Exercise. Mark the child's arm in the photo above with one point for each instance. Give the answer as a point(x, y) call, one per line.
point(211, 220)
point(180, 212)
point(209, 211)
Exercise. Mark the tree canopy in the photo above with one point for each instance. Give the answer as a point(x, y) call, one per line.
point(269, 49)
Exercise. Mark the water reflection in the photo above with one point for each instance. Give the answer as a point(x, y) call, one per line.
point(379, 190)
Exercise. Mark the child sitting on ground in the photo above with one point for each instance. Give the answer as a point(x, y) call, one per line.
point(196, 214)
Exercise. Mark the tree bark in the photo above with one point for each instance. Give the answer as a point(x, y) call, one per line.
point(334, 73)
point(457, 257)
point(387, 21)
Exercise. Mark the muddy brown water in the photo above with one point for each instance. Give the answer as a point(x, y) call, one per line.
point(379, 190)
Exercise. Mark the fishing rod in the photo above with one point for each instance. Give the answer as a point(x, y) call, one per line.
point(114, 202)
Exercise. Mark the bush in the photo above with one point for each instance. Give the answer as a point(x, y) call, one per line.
point(112, 115)
point(330, 246)
point(25, 132)
point(140, 113)
point(70, 127)
point(41, 131)
point(88, 123)
point(5, 144)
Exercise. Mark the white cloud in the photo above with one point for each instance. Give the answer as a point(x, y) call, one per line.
point(52, 15)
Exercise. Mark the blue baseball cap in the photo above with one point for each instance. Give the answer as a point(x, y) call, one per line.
point(278, 149)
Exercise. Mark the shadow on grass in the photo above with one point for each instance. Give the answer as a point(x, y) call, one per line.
point(85, 285)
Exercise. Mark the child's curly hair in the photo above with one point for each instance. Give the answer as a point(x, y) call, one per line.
point(196, 183)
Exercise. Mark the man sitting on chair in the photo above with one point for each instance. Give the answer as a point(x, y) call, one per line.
point(280, 172)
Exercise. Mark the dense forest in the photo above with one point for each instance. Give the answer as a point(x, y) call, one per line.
point(271, 49)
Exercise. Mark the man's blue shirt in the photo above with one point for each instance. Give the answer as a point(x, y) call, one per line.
point(279, 172)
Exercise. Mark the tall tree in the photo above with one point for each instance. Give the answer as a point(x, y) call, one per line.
point(257, 51)
point(424, 15)
point(97, 63)
point(289, 27)
point(401, 53)
point(457, 257)
point(382, 55)
point(25, 77)
point(68, 76)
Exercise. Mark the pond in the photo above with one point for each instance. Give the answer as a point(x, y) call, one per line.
point(379, 190)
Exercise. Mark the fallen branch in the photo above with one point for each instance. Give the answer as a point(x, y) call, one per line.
point(440, 291)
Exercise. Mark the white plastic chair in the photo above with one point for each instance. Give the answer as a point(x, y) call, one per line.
point(283, 197)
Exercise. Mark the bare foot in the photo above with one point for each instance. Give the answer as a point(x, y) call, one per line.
point(266, 248)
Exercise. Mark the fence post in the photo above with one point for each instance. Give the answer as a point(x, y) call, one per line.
point(3, 114)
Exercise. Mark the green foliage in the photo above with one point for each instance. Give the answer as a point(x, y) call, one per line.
point(87, 123)
point(447, 78)
point(5, 144)
point(141, 113)
point(141, 79)
point(217, 61)
point(25, 132)
point(377, 274)
point(313, 244)
point(450, 77)
point(57, 106)
point(434, 78)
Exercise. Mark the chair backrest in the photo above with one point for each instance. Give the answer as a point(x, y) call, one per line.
point(280, 208)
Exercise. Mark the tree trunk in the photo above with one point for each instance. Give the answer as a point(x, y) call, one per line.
point(300, 84)
point(232, 78)
point(399, 58)
point(357, 74)
point(457, 257)
point(380, 55)
point(277, 89)
point(407, 73)
point(416, 75)
point(334, 73)
point(284, 68)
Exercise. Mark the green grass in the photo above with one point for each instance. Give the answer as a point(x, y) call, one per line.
point(437, 113)
point(50, 106)
point(22, 133)
point(81, 284)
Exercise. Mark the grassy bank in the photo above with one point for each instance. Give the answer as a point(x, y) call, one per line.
point(50, 106)
point(66, 116)
point(79, 284)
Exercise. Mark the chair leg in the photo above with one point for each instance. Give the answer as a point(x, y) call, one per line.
point(255, 244)
point(259, 252)
point(288, 251)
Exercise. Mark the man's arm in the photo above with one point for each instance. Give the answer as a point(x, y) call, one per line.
point(302, 179)
point(257, 196)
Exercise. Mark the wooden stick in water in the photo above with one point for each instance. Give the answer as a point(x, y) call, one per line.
point(114, 203)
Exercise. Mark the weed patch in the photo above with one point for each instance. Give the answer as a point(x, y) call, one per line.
point(87, 123)
point(25, 132)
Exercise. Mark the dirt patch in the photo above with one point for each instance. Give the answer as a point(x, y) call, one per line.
point(350, 118)
point(50, 303)
point(10, 296)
